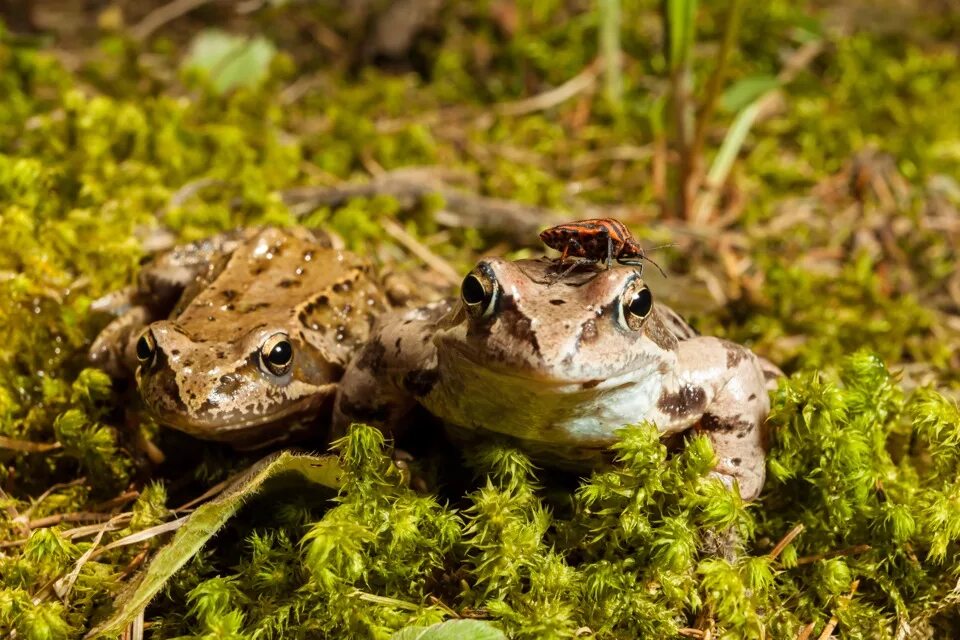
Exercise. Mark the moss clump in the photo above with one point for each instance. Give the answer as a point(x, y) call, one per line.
point(857, 524)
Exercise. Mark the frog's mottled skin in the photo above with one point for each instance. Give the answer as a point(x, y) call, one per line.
point(211, 305)
point(556, 367)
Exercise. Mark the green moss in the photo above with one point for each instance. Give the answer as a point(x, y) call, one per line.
point(94, 158)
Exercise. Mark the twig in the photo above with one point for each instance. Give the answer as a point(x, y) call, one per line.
point(78, 516)
point(64, 585)
point(787, 539)
point(117, 501)
point(418, 249)
point(134, 630)
point(409, 186)
point(27, 446)
point(43, 496)
point(301, 87)
point(117, 522)
point(187, 191)
point(834, 621)
point(691, 633)
point(162, 15)
point(628, 153)
point(540, 102)
point(849, 551)
point(440, 604)
point(135, 562)
point(393, 602)
point(806, 631)
point(209, 493)
point(146, 534)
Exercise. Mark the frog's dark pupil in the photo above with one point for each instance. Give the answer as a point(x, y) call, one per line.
point(144, 350)
point(472, 290)
point(281, 353)
point(641, 303)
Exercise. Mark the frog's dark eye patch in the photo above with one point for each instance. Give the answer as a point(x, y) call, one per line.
point(276, 354)
point(636, 305)
point(146, 347)
point(479, 291)
point(472, 290)
point(641, 303)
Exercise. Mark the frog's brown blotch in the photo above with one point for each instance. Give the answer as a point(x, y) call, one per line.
point(735, 353)
point(421, 381)
point(514, 321)
point(371, 356)
point(687, 400)
point(711, 422)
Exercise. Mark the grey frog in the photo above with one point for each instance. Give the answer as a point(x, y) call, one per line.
point(558, 367)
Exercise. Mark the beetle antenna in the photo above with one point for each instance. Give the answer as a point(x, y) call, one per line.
point(644, 257)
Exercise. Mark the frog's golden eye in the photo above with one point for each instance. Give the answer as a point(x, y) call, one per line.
point(479, 293)
point(276, 354)
point(637, 305)
point(146, 347)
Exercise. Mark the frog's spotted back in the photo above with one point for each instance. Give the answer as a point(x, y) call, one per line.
point(265, 323)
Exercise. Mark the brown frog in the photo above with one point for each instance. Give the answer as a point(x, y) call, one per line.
point(235, 337)
point(557, 367)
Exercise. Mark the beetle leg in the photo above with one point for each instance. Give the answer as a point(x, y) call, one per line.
point(573, 265)
point(609, 251)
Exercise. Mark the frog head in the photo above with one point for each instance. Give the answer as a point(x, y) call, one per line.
point(590, 326)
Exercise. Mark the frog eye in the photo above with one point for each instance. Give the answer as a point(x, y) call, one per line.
point(637, 305)
point(146, 347)
point(276, 354)
point(479, 293)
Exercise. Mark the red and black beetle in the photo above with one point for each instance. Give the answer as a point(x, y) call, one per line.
point(596, 240)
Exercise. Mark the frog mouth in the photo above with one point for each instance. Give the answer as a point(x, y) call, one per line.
point(521, 372)
point(208, 422)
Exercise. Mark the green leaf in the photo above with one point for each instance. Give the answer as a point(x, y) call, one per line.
point(204, 523)
point(681, 18)
point(231, 61)
point(745, 91)
point(452, 630)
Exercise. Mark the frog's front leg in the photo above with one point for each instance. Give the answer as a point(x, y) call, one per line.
point(396, 367)
point(114, 348)
point(721, 391)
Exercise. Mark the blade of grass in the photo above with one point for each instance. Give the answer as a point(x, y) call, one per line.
point(610, 50)
point(737, 134)
point(200, 526)
point(714, 84)
point(680, 17)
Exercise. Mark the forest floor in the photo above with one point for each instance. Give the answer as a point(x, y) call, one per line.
point(808, 193)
